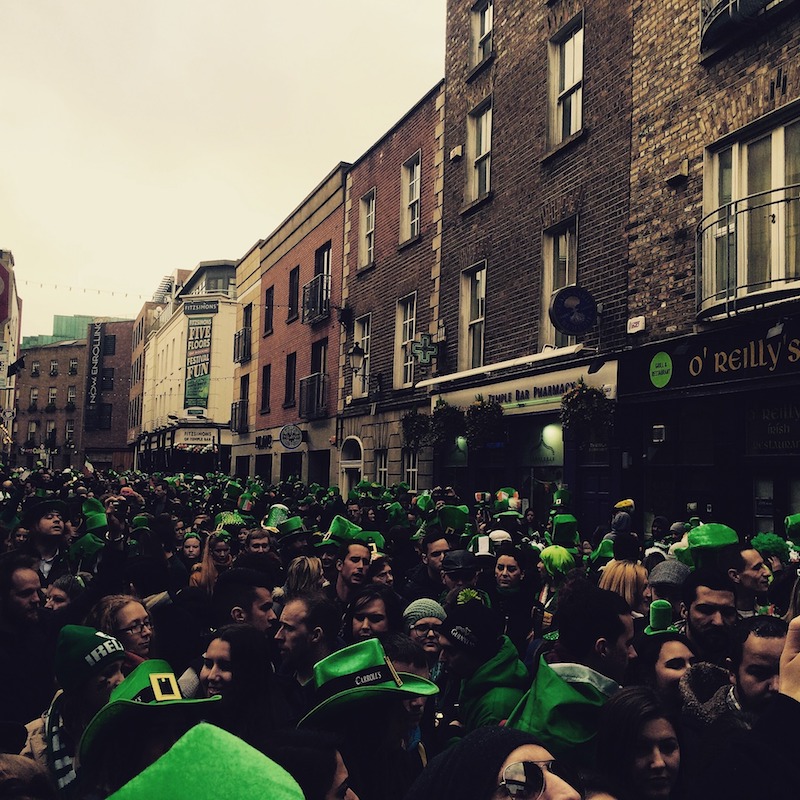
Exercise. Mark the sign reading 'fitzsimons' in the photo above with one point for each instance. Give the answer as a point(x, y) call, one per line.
point(198, 362)
point(718, 358)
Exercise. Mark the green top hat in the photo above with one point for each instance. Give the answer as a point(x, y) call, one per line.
point(792, 527)
point(232, 490)
point(289, 528)
point(565, 531)
point(562, 498)
point(370, 537)
point(277, 513)
point(205, 759)
point(711, 536)
point(94, 515)
point(452, 519)
point(425, 504)
point(357, 672)
point(341, 529)
point(152, 685)
point(660, 618)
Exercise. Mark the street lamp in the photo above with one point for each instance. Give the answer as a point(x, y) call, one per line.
point(355, 357)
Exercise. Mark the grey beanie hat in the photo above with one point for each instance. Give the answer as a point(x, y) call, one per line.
point(422, 608)
point(670, 572)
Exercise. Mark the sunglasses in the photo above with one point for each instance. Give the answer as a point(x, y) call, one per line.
point(526, 780)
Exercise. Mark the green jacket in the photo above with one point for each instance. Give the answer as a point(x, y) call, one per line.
point(562, 709)
point(490, 695)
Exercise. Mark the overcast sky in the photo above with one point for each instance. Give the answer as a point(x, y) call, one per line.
point(140, 137)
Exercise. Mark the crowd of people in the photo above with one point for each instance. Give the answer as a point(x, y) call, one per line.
point(202, 636)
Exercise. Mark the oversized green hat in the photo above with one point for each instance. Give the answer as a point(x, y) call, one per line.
point(711, 536)
point(660, 618)
point(277, 513)
point(424, 504)
point(356, 672)
point(232, 518)
point(565, 531)
point(150, 689)
point(85, 547)
point(342, 528)
point(94, 515)
point(562, 498)
point(452, 519)
point(291, 527)
point(792, 527)
point(204, 760)
point(370, 537)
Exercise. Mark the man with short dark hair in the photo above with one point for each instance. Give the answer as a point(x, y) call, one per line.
point(26, 663)
point(351, 568)
point(306, 634)
point(708, 608)
point(425, 580)
point(244, 595)
point(749, 574)
point(574, 681)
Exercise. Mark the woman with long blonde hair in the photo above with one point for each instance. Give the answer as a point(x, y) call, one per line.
point(216, 558)
point(629, 580)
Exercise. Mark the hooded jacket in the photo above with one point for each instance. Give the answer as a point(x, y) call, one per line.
point(562, 709)
point(494, 689)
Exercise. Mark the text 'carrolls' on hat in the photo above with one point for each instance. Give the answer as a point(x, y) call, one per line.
point(82, 652)
point(204, 760)
point(357, 672)
point(423, 608)
point(669, 572)
point(473, 626)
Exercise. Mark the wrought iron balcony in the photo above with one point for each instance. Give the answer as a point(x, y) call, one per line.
point(242, 346)
point(312, 396)
point(317, 299)
point(239, 416)
point(748, 253)
point(720, 19)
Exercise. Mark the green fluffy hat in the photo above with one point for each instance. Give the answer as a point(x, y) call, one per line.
point(207, 763)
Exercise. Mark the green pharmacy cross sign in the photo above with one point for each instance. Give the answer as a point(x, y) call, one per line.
point(424, 350)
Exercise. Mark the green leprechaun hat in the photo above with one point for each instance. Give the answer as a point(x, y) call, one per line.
point(358, 672)
point(205, 759)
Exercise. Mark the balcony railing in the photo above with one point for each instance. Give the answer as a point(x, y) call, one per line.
point(720, 18)
point(312, 396)
point(317, 299)
point(239, 422)
point(242, 345)
point(748, 252)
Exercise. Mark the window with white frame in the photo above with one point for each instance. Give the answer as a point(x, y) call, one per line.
point(560, 269)
point(52, 394)
point(406, 330)
point(410, 209)
point(382, 467)
point(72, 393)
point(482, 24)
point(479, 148)
point(750, 235)
point(32, 429)
point(69, 430)
point(35, 368)
point(410, 468)
point(566, 81)
point(34, 395)
point(73, 366)
point(50, 433)
point(473, 312)
point(54, 366)
point(362, 336)
point(366, 252)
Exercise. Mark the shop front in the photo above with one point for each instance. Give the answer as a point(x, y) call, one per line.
point(533, 455)
point(710, 425)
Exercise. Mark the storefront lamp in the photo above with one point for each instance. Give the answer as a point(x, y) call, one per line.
point(355, 357)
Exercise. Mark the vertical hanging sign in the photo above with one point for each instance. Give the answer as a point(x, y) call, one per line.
point(198, 362)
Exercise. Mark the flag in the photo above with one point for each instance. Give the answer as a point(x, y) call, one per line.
point(14, 368)
point(88, 469)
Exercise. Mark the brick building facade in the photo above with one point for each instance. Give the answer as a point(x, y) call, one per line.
point(536, 198)
point(709, 389)
point(392, 256)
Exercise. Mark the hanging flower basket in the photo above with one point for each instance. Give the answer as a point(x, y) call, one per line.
point(485, 423)
point(586, 407)
point(447, 423)
point(416, 429)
